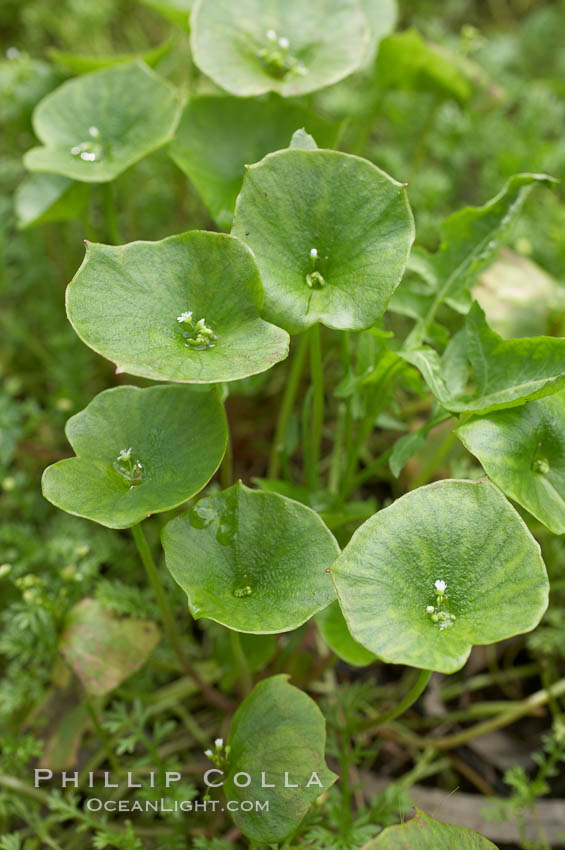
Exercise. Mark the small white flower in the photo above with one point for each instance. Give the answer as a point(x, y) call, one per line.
point(124, 454)
point(440, 586)
point(88, 157)
point(208, 753)
point(314, 253)
point(430, 609)
point(75, 150)
point(94, 132)
point(284, 43)
point(12, 53)
point(219, 742)
point(271, 35)
point(185, 317)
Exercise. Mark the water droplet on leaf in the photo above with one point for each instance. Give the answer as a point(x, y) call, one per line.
point(128, 467)
point(541, 466)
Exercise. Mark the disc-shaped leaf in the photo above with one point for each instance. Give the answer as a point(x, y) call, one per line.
point(278, 733)
point(506, 373)
point(333, 628)
point(103, 649)
point(95, 126)
point(140, 304)
point(218, 136)
point(523, 451)
point(443, 568)
point(250, 47)
point(251, 560)
point(138, 452)
point(331, 234)
point(425, 833)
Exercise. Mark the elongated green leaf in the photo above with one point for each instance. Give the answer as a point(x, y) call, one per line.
point(406, 61)
point(277, 733)
point(175, 11)
point(506, 373)
point(425, 833)
point(523, 451)
point(333, 628)
point(102, 649)
point(463, 535)
point(84, 63)
point(331, 234)
point(139, 305)
point(138, 452)
point(218, 136)
point(49, 197)
point(470, 239)
point(250, 560)
point(95, 126)
point(286, 46)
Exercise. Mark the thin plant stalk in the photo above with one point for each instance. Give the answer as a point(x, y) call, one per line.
point(169, 621)
point(287, 404)
point(317, 378)
point(245, 679)
point(413, 694)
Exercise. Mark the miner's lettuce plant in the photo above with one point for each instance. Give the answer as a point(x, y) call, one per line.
point(319, 254)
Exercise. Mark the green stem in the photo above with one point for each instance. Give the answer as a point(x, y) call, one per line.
point(413, 694)
point(517, 711)
point(110, 213)
point(368, 472)
point(174, 636)
point(102, 735)
point(337, 451)
point(435, 461)
point(291, 389)
point(226, 469)
point(317, 378)
point(19, 787)
point(245, 678)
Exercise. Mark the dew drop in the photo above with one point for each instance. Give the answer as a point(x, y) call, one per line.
point(196, 334)
point(202, 515)
point(89, 151)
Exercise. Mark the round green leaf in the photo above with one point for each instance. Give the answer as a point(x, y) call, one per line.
point(425, 833)
point(250, 47)
point(49, 197)
point(523, 451)
point(278, 733)
point(251, 560)
point(95, 126)
point(461, 533)
point(218, 136)
point(352, 215)
point(125, 302)
point(103, 649)
point(333, 628)
point(177, 437)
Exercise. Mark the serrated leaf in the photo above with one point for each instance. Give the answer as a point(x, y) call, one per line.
point(425, 833)
point(463, 533)
point(238, 45)
point(333, 628)
point(523, 451)
point(251, 560)
point(102, 649)
point(218, 136)
point(506, 373)
point(125, 302)
point(278, 732)
point(49, 197)
point(176, 435)
point(353, 215)
point(95, 126)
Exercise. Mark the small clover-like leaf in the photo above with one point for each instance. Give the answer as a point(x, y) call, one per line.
point(183, 309)
point(277, 738)
point(95, 126)
point(249, 48)
point(218, 136)
point(103, 649)
point(443, 568)
point(251, 560)
point(425, 833)
point(523, 451)
point(333, 628)
point(138, 452)
point(506, 373)
point(331, 234)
